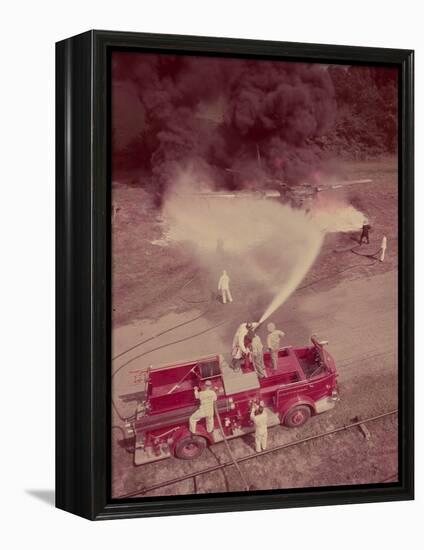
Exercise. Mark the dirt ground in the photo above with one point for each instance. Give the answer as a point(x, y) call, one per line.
point(347, 299)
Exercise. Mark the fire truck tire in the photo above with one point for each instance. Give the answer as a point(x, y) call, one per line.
point(190, 447)
point(297, 416)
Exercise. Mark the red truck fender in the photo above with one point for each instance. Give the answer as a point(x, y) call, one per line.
point(299, 400)
point(185, 432)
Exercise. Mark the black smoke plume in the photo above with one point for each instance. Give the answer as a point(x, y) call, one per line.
point(242, 123)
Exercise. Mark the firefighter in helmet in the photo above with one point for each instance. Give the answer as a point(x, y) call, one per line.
point(273, 342)
point(257, 355)
point(207, 398)
point(243, 336)
point(259, 417)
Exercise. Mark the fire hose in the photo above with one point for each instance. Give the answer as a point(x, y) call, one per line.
point(178, 384)
point(192, 301)
point(171, 328)
point(233, 458)
point(371, 255)
point(159, 334)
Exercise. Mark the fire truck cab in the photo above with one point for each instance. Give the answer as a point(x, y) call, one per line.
point(304, 384)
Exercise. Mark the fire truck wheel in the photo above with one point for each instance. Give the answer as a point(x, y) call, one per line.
point(297, 416)
point(189, 447)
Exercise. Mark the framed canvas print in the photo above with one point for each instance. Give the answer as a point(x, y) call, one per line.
point(234, 274)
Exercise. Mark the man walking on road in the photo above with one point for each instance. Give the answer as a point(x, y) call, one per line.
point(273, 342)
point(224, 287)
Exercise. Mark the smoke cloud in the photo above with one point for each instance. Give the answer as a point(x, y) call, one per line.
point(258, 241)
point(243, 121)
point(333, 215)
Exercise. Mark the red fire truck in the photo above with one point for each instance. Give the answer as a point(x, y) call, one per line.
point(304, 384)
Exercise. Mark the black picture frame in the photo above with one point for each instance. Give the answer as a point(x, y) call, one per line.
point(83, 275)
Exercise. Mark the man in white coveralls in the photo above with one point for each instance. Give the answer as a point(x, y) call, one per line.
point(207, 398)
point(239, 348)
point(224, 287)
point(257, 356)
point(383, 247)
point(259, 417)
point(273, 342)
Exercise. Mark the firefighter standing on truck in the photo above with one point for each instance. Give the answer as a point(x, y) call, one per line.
point(207, 398)
point(257, 356)
point(239, 349)
point(259, 417)
point(273, 343)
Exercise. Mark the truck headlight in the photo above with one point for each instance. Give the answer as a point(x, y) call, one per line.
point(335, 395)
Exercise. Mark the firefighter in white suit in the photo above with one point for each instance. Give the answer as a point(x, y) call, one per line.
point(207, 398)
point(273, 342)
point(239, 349)
point(259, 417)
point(224, 287)
point(383, 247)
point(257, 356)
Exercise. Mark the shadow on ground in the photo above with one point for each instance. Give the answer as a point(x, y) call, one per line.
point(45, 495)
